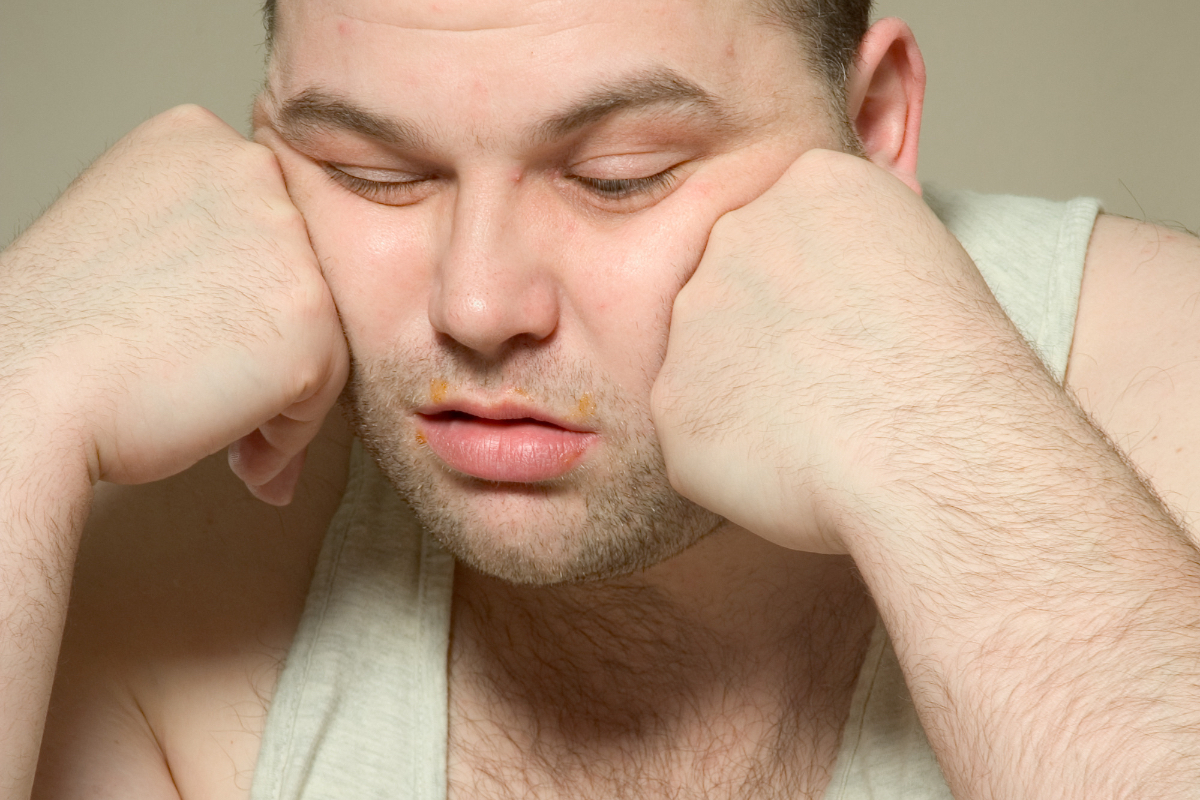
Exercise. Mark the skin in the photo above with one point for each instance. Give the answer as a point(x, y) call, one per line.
point(134, 710)
point(527, 274)
point(497, 199)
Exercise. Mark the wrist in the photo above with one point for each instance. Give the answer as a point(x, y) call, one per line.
point(992, 436)
point(44, 448)
point(1026, 516)
point(45, 495)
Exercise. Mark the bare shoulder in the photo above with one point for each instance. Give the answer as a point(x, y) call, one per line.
point(186, 597)
point(1135, 359)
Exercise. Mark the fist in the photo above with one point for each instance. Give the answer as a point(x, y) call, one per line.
point(169, 304)
point(828, 341)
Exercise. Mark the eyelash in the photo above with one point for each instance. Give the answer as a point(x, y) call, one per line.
point(622, 188)
point(614, 189)
point(375, 191)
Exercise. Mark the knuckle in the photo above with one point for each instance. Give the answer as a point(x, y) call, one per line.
point(731, 225)
point(722, 229)
point(680, 479)
point(258, 164)
point(835, 170)
point(703, 295)
point(310, 297)
point(291, 222)
point(188, 118)
point(686, 314)
point(310, 376)
point(280, 223)
point(818, 159)
point(191, 114)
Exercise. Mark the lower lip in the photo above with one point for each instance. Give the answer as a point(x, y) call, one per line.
point(507, 451)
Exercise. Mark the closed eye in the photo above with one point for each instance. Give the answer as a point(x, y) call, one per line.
point(390, 193)
point(621, 188)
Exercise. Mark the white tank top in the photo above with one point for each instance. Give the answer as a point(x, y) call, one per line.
point(360, 710)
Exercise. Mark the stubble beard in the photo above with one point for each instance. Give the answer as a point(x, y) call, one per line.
point(601, 520)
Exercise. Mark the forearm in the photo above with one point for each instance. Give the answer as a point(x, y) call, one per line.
point(45, 492)
point(33, 604)
point(44, 498)
point(1045, 607)
point(839, 378)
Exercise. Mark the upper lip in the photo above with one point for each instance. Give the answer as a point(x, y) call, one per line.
point(501, 410)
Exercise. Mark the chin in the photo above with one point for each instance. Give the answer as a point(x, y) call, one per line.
point(574, 531)
point(610, 516)
point(584, 528)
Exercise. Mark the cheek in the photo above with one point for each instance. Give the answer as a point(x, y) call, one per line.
point(623, 279)
point(377, 273)
point(639, 268)
point(375, 260)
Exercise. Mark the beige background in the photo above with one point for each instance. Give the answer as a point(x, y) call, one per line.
point(1097, 97)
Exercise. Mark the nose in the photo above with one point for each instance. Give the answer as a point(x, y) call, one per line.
point(493, 285)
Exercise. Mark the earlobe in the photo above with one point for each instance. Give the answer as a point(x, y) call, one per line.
point(884, 98)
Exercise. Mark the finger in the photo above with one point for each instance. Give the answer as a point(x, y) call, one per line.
point(263, 454)
point(255, 461)
point(288, 436)
point(279, 490)
point(259, 456)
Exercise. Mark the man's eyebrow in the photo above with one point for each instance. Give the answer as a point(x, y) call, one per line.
point(313, 112)
point(663, 87)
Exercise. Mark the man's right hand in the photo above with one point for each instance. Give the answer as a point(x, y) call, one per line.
point(170, 304)
point(167, 305)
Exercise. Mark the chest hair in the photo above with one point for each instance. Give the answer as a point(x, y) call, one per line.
point(587, 704)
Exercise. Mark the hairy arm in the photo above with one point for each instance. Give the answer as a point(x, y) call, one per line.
point(1053, 638)
point(1045, 607)
point(43, 501)
point(187, 593)
point(167, 305)
point(1045, 601)
point(839, 378)
point(1135, 357)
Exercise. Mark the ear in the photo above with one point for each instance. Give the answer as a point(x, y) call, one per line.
point(884, 97)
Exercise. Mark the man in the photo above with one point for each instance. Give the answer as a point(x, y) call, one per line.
point(584, 257)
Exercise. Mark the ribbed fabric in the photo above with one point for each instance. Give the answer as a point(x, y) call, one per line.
point(360, 710)
point(1031, 254)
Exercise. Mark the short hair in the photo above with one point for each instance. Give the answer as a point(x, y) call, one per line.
point(829, 30)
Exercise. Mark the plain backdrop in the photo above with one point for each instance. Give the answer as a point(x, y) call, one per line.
point(1043, 97)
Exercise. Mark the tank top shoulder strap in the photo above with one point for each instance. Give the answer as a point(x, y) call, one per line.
point(1031, 253)
point(360, 707)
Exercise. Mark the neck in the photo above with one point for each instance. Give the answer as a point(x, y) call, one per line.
point(734, 631)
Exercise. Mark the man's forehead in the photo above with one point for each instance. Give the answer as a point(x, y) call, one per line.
point(499, 65)
point(484, 15)
point(536, 31)
point(447, 15)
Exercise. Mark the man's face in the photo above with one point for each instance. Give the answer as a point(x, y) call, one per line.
point(506, 197)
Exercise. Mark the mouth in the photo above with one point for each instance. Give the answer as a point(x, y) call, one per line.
point(503, 444)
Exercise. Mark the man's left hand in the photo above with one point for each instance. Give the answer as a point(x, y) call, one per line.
point(833, 337)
